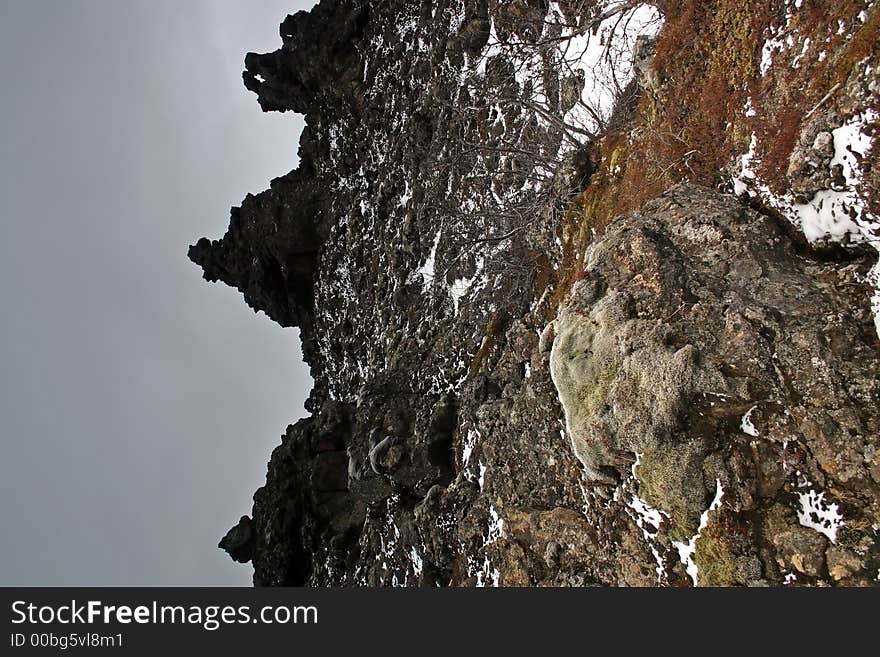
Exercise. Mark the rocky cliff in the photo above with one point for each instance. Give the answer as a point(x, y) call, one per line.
point(585, 289)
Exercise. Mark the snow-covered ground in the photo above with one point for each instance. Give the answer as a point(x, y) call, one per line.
point(832, 215)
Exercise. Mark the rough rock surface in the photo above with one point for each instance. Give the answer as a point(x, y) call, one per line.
point(508, 391)
point(702, 344)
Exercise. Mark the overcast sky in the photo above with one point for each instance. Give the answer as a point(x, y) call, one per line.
point(139, 404)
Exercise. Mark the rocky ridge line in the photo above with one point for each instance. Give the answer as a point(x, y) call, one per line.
point(506, 391)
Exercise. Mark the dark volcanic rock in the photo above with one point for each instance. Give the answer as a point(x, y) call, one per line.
point(318, 58)
point(714, 414)
point(271, 262)
point(239, 541)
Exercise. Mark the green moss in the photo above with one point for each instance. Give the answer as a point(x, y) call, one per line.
point(716, 564)
point(742, 137)
point(575, 235)
point(615, 159)
point(594, 398)
point(734, 39)
point(494, 329)
point(669, 480)
point(587, 367)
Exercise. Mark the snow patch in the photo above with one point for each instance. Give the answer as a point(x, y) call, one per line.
point(771, 46)
point(427, 269)
point(746, 425)
point(488, 575)
point(837, 214)
point(470, 441)
point(686, 551)
point(416, 560)
point(645, 515)
point(817, 514)
point(496, 526)
point(485, 572)
point(458, 289)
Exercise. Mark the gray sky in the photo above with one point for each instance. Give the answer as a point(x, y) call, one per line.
point(139, 404)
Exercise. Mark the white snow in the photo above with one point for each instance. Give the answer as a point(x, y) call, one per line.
point(406, 196)
point(746, 424)
point(469, 442)
point(747, 177)
point(496, 526)
point(833, 214)
point(602, 54)
point(458, 289)
point(781, 37)
point(645, 515)
point(851, 143)
point(797, 60)
point(771, 46)
point(427, 269)
point(416, 560)
point(488, 575)
point(817, 514)
point(686, 551)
